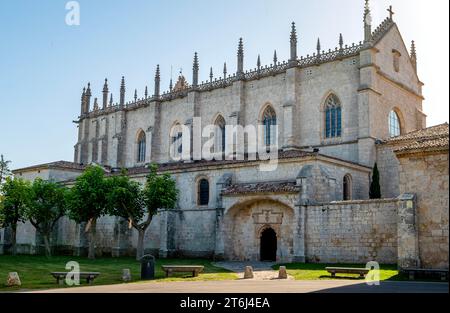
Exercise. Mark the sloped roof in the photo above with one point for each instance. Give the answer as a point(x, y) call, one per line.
point(429, 139)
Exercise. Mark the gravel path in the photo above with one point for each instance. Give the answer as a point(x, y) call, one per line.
point(261, 270)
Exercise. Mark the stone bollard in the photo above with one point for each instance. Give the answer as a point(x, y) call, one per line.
point(13, 280)
point(248, 274)
point(126, 275)
point(282, 274)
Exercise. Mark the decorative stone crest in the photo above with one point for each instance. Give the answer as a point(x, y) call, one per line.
point(268, 217)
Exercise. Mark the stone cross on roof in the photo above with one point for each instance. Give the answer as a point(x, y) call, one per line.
point(391, 12)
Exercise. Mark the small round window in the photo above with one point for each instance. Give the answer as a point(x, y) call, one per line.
point(394, 124)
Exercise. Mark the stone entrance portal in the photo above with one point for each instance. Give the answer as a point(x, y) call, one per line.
point(268, 245)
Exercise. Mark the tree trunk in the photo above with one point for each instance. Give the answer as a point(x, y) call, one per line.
point(48, 252)
point(13, 239)
point(140, 244)
point(92, 233)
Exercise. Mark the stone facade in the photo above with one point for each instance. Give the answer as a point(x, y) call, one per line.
point(302, 201)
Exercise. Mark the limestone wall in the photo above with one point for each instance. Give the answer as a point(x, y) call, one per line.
point(428, 176)
point(388, 167)
point(352, 232)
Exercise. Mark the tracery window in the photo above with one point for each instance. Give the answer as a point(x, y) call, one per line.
point(333, 117)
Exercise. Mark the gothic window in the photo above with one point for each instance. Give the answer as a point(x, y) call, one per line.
point(176, 142)
point(269, 124)
point(141, 146)
point(333, 117)
point(347, 188)
point(394, 124)
point(219, 135)
point(203, 192)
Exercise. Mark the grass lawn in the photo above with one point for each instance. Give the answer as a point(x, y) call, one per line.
point(34, 271)
point(313, 271)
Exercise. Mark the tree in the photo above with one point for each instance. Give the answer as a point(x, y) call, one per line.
point(126, 200)
point(160, 192)
point(87, 201)
point(139, 206)
point(45, 208)
point(375, 190)
point(15, 200)
point(4, 169)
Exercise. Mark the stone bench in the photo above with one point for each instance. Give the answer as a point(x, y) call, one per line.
point(413, 272)
point(347, 270)
point(61, 276)
point(194, 269)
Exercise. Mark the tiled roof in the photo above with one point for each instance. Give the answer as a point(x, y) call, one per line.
point(427, 133)
point(287, 186)
point(171, 166)
point(54, 165)
point(429, 139)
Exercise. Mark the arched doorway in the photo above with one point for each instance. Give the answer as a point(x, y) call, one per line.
point(268, 250)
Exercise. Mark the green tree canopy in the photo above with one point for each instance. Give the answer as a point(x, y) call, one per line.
point(46, 207)
point(15, 200)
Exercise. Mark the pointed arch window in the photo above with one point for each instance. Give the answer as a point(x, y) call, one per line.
point(219, 145)
point(141, 147)
point(333, 117)
point(203, 192)
point(394, 124)
point(269, 122)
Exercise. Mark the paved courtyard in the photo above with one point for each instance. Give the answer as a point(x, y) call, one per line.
point(264, 286)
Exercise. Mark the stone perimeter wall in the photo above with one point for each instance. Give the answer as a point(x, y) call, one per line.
point(352, 232)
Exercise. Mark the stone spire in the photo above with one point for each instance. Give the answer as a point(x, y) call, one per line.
point(258, 63)
point(293, 58)
point(225, 70)
point(413, 55)
point(170, 85)
point(95, 104)
point(318, 47)
point(195, 69)
point(122, 93)
point(88, 98)
point(275, 58)
point(146, 92)
point(240, 60)
point(157, 82)
point(367, 23)
point(211, 75)
point(105, 94)
point(135, 95)
point(111, 100)
point(83, 101)
point(341, 42)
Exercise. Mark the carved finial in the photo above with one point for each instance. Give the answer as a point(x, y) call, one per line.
point(157, 82)
point(318, 46)
point(367, 22)
point(293, 44)
point(240, 55)
point(95, 104)
point(275, 59)
point(258, 62)
point(171, 85)
point(413, 54)
point(225, 70)
point(195, 71)
point(341, 42)
point(122, 93)
point(83, 101)
point(391, 12)
point(88, 98)
point(111, 100)
point(105, 94)
point(135, 95)
point(211, 75)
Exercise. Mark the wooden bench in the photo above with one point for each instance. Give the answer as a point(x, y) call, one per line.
point(194, 269)
point(413, 272)
point(347, 270)
point(61, 276)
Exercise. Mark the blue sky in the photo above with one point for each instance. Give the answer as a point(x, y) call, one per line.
point(45, 63)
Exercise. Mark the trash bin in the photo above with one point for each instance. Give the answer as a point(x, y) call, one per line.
point(147, 267)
